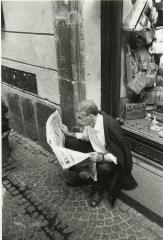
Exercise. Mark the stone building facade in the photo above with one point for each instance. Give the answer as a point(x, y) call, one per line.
point(50, 60)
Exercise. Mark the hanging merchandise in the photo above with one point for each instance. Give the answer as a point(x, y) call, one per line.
point(144, 75)
point(132, 18)
point(142, 57)
point(161, 65)
point(156, 48)
point(157, 45)
point(141, 16)
point(147, 35)
point(141, 19)
point(159, 34)
point(159, 80)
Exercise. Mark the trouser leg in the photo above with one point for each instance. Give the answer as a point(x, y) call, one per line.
point(78, 145)
point(105, 172)
point(116, 184)
point(103, 175)
point(109, 178)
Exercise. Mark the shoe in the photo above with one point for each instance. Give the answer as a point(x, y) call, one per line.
point(79, 182)
point(96, 198)
point(111, 201)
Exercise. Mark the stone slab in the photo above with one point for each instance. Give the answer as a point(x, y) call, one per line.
point(15, 113)
point(67, 102)
point(63, 49)
point(24, 107)
point(29, 118)
point(27, 16)
point(32, 49)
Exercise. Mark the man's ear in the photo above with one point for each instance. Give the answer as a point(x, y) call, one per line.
point(91, 116)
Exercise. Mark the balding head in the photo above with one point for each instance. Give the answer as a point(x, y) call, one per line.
point(87, 113)
point(88, 107)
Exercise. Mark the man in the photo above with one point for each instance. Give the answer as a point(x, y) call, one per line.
point(103, 140)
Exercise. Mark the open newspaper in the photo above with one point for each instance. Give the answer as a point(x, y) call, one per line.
point(56, 139)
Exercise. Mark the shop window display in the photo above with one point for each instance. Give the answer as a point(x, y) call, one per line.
point(142, 68)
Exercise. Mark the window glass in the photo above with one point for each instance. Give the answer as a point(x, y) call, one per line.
point(142, 67)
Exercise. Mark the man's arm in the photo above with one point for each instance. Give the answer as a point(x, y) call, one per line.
point(82, 136)
point(65, 130)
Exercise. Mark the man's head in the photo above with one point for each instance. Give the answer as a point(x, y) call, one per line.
point(87, 113)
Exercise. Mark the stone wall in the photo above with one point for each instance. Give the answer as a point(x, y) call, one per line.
point(42, 64)
point(50, 53)
point(30, 85)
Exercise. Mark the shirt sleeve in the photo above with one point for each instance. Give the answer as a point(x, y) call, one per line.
point(110, 157)
point(83, 136)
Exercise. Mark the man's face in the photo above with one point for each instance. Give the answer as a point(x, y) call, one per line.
point(83, 119)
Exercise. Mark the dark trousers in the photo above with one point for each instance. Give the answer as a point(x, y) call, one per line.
point(108, 174)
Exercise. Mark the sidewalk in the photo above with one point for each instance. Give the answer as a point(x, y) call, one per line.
point(37, 205)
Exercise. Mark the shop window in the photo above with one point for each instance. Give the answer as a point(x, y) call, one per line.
point(141, 95)
point(132, 72)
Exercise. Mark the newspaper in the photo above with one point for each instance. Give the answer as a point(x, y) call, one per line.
point(56, 139)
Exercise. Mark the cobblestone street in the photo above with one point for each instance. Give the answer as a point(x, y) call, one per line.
point(37, 204)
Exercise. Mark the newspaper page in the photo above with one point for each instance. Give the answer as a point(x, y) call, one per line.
point(56, 139)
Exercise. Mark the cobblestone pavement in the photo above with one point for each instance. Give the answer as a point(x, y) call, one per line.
point(37, 205)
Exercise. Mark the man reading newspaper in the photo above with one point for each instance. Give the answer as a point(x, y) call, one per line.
point(56, 139)
point(108, 161)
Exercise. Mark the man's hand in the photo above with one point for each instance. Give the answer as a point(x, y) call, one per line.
point(95, 157)
point(110, 158)
point(65, 130)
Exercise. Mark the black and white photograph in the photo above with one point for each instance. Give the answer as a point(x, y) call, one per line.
point(82, 120)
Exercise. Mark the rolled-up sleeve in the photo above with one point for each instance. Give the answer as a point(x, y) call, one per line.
point(83, 136)
point(110, 157)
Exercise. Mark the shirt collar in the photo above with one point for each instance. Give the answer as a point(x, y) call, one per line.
point(99, 122)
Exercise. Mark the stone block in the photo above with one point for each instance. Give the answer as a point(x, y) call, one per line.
point(43, 112)
point(63, 48)
point(35, 18)
point(67, 102)
point(79, 92)
point(22, 47)
point(29, 118)
point(15, 113)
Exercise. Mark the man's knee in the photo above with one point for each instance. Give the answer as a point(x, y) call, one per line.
point(78, 145)
point(105, 167)
point(70, 142)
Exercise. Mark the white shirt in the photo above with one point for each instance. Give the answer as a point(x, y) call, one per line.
point(96, 137)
